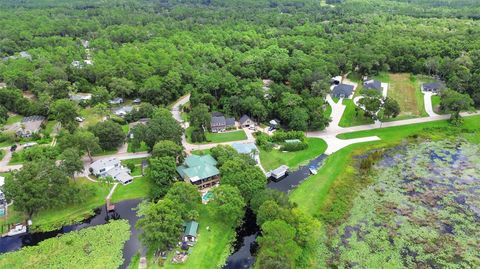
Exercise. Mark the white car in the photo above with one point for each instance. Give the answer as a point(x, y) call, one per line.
point(79, 119)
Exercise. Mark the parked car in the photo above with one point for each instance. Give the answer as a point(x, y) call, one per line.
point(79, 119)
point(13, 148)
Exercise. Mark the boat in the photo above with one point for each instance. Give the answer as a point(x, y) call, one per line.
point(18, 229)
point(313, 170)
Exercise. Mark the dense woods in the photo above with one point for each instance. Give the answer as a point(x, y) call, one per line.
point(221, 50)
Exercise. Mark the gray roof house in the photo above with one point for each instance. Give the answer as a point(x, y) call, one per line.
point(79, 97)
point(373, 85)
point(122, 111)
point(30, 125)
point(220, 123)
point(342, 91)
point(433, 87)
point(245, 121)
point(111, 167)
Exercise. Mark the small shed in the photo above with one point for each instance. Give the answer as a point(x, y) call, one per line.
point(191, 229)
point(279, 172)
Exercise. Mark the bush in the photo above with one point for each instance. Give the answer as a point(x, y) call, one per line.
point(198, 135)
point(281, 136)
point(294, 146)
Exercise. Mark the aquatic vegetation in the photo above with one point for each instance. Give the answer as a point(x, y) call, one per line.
point(422, 210)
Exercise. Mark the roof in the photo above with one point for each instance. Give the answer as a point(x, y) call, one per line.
point(123, 110)
point(218, 121)
point(243, 119)
point(230, 121)
point(103, 163)
point(280, 170)
point(32, 123)
point(198, 167)
point(2, 181)
point(244, 148)
point(343, 89)
point(191, 228)
point(273, 122)
point(80, 96)
point(217, 114)
point(337, 78)
point(373, 84)
point(120, 174)
point(433, 86)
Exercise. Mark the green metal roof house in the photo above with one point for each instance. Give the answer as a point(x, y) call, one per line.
point(200, 170)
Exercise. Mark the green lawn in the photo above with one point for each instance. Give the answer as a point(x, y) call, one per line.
point(13, 119)
point(139, 188)
point(91, 118)
point(328, 110)
point(311, 194)
point(436, 104)
point(143, 147)
point(50, 126)
point(218, 137)
point(350, 117)
point(201, 152)
point(212, 248)
point(275, 158)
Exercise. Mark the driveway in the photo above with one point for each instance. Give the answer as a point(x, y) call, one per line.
point(427, 100)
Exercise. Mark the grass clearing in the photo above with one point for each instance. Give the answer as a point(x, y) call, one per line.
point(14, 119)
point(218, 137)
point(139, 188)
point(406, 90)
point(213, 246)
point(275, 158)
point(352, 117)
point(143, 147)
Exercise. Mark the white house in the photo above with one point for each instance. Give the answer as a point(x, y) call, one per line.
point(111, 167)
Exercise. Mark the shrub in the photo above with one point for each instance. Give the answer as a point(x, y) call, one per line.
point(294, 146)
point(281, 136)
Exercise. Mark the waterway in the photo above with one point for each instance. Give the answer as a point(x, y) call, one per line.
point(245, 246)
point(123, 210)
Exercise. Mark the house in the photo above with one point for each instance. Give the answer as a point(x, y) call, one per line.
point(434, 87)
point(80, 97)
point(137, 101)
point(373, 85)
point(219, 123)
point(191, 229)
point(200, 171)
point(113, 168)
point(116, 101)
point(246, 122)
point(343, 91)
point(279, 172)
point(337, 80)
point(30, 125)
point(122, 111)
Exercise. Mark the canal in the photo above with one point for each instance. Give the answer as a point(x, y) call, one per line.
point(245, 246)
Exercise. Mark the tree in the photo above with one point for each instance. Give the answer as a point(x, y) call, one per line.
point(167, 148)
point(277, 244)
point(122, 87)
point(162, 126)
point(101, 109)
point(200, 117)
point(100, 95)
point(3, 114)
point(371, 105)
point(454, 102)
point(38, 185)
point(71, 161)
point(249, 179)
point(160, 224)
point(186, 197)
point(228, 204)
point(391, 108)
point(65, 111)
point(162, 173)
point(110, 134)
point(82, 140)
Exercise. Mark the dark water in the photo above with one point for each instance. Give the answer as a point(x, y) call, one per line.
point(123, 210)
point(245, 246)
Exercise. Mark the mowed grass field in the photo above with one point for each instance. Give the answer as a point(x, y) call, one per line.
point(406, 90)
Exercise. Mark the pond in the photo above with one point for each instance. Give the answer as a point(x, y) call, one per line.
point(123, 210)
point(422, 210)
point(245, 246)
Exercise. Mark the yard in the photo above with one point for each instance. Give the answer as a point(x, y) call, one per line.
point(351, 117)
point(139, 188)
point(275, 158)
point(219, 137)
point(405, 89)
point(212, 248)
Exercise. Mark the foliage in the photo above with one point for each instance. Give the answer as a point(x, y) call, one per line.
point(39, 185)
point(65, 112)
point(281, 136)
point(110, 134)
point(391, 108)
point(167, 148)
point(71, 161)
point(186, 197)
point(95, 247)
point(228, 204)
point(455, 102)
point(82, 140)
point(291, 147)
point(161, 172)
